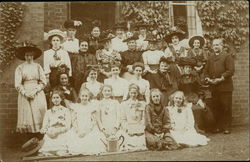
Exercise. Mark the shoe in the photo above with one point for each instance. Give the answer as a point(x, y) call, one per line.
point(226, 132)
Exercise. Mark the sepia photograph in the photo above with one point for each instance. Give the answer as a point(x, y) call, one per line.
point(124, 81)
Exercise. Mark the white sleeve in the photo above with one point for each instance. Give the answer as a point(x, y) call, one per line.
point(46, 62)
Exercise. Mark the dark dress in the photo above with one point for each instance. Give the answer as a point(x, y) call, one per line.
point(165, 82)
point(158, 123)
point(176, 54)
point(79, 67)
point(93, 44)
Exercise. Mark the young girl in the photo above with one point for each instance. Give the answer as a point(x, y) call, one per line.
point(91, 82)
point(85, 137)
point(109, 113)
point(182, 122)
point(132, 112)
point(158, 124)
point(56, 123)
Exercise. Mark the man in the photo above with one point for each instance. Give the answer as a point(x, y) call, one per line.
point(164, 79)
point(218, 72)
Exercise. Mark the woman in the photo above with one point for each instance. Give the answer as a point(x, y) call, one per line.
point(106, 55)
point(55, 57)
point(132, 120)
point(117, 43)
point(175, 49)
point(94, 38)
point(80, 62)
point(91, 82)
point(141, 42)
point(30, 81)
point(158, 124)
point(151, 57)
point(144, 85)
point(129, 57)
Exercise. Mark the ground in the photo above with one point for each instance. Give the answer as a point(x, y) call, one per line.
point(234, 146)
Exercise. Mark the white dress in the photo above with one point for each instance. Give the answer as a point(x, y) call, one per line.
point(132, 115)
point(117, 44)
point(85, 136)
point(119, 85)
point(144, 87)
point(30, 77)
point(183, 130)
point(57, 120)
point(71, 46)
point(151, 59)
point(141, 43)
point(93, 87)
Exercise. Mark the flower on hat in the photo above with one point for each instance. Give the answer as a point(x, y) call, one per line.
point(77, 23)
point(129, 34)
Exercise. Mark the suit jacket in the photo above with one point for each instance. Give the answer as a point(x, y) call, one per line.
point(218, 66)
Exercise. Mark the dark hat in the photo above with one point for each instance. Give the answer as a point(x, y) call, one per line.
point(31, 146)
point(106, 36)
point(138, 64)
point(72, 24)
point(134, 37)
point(27, 47)
point(186, 61)
point(200, 38)
point(122, 25)
point(174, 31)
point(168, 60)
point(96, 23)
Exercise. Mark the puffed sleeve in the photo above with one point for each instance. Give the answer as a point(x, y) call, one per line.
point(67, 62)
point(18, 80)
point(46, 62)
point(42, 79)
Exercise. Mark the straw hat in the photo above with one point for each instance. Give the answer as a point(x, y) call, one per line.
point(31, 146)
point(56, 32)
point(28, 47)
point(197, 37)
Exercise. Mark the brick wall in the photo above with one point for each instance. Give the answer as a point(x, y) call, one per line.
point(31, 29)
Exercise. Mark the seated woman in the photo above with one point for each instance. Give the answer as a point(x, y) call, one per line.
point(108, 114)
point(144, 85)
point(68, 91)
point(91, 82)
point(132, 116)
point(158, 124)
point(85, 137)
point(56, 123)
point(182, 122)
point(80, 62)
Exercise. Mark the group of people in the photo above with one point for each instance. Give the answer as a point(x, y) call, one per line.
point(149, 91)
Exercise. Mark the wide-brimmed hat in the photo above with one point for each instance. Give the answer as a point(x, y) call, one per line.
point(31, 146)
point(183, 61)
point(55, 32)
point(174, 31)
point(121, 25)
point(197, 37)
point(138, 64)
point(133, 37)
point(28, 47)
point(72, 24)
point(106, 36)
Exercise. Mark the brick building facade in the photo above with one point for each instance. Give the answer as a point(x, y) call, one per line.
point(40, 17)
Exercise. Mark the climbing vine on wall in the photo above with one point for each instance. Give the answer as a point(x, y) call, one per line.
point(10, 20)
point(226, 19)
point(154, 13)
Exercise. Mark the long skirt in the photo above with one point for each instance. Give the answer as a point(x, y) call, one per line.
point(189, 137)
point(31, 112)
point(154, 142)
point(90, 144)
point(135, 142)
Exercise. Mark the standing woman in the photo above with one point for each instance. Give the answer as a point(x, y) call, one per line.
point(30, 81)
point(94, 38)
point(55, 57)
point(141, 42)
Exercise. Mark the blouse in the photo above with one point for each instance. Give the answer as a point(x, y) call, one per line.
point(56, 58)
point(117, 44)
point(71, 45)
point(119, 86)
point(144, 87)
